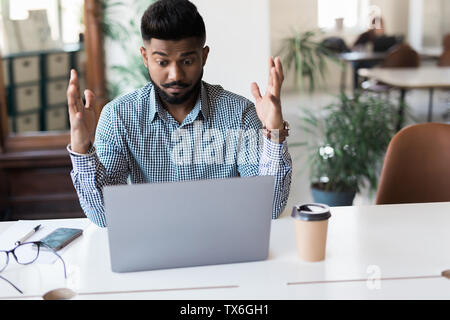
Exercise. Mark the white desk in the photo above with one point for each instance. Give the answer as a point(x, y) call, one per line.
point(406, 245)
point(427, 53)
point(411, 78)
point(430, 77)
point(358, 56)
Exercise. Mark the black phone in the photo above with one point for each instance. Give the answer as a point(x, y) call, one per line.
point(60, 238)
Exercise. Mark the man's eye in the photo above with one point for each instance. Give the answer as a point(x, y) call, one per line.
point(188, 62)
point(162, 63)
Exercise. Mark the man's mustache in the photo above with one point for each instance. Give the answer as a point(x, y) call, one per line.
point(175, 84)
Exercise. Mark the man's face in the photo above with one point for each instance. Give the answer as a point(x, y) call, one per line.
point(175, 67)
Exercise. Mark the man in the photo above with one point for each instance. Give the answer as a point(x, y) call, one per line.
point(177, 127)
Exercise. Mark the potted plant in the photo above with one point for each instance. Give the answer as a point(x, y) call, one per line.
point(347, 146)
point(307, 57)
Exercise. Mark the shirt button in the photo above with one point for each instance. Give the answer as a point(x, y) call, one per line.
point(90, 163)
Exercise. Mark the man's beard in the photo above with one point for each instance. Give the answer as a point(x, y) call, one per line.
point(177, 99)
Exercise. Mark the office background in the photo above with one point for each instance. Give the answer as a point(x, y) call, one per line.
point(242, 35)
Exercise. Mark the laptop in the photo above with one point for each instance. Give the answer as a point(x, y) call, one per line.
point(189, 223)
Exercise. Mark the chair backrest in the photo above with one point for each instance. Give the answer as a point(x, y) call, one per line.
point(444, 59)
point(417, 166)
point(446, 42)
point(401, 56)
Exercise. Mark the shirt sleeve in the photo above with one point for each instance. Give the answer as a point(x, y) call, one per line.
point(105, 164)
point(258, 155)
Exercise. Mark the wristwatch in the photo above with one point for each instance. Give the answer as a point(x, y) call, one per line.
point(277, 135)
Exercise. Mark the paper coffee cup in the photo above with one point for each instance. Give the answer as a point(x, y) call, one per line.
point(311, 224)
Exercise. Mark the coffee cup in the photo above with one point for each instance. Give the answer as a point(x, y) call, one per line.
point(311, 224)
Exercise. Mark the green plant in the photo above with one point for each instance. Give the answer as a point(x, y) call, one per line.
point(308, 57)
point(119, 30)
point(348, 142)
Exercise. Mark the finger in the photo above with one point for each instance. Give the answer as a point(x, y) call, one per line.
point(72, 99)
point(271, 65)
point(271, 62)
point(279, 68)
point(276, 88)
point(255, 91)
point(74, 81)
point(73, 93)
point(89, 96)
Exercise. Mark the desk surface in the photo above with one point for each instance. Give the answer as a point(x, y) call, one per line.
point(355, 56)
point(404, 246)
point(410, 78)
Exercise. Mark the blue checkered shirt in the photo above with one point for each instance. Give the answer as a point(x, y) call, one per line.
point(138, 141)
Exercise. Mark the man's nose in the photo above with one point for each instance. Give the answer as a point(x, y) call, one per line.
point(176, 73)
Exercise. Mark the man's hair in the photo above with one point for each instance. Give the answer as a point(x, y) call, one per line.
point(172, 20)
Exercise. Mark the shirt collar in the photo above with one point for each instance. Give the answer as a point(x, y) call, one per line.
point(200, 106)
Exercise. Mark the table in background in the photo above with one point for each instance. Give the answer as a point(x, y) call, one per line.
point(427, 53)
point(356, 57)
point(405, 247)
point(430, 77)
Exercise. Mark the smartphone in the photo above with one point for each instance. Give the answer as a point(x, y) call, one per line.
point(60, 238)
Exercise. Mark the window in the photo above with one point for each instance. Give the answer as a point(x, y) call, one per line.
point(356, 13)
point(64, 16)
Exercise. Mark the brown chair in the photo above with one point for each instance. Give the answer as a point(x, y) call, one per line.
point(402, 56)
point(417, 166)
point(446, 42)
point(444, 59)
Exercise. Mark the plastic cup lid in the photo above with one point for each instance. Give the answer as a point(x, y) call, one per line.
point(311, 212)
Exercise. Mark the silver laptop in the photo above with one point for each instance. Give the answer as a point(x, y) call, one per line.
point(189, 223)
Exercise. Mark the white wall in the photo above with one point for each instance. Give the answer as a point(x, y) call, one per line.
point(238, 34)
point(428, 22)
point(415, 23)
point(435, 22)
point(287, 16)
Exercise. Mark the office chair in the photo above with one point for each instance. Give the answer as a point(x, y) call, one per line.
point(446, 42)
point(444, 61)
point(401, 56)
point(416, 167)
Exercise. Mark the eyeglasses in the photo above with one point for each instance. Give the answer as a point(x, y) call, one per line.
point(25, 253)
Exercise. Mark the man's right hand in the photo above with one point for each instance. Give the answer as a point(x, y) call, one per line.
point(83, 118)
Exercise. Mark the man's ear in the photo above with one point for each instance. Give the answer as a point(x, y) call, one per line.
point(144, 56)
point(205, 55)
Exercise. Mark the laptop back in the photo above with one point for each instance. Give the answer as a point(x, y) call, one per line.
point(189, 223)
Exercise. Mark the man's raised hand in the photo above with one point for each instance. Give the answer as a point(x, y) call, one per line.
point(268, 107)
point(83, 118)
